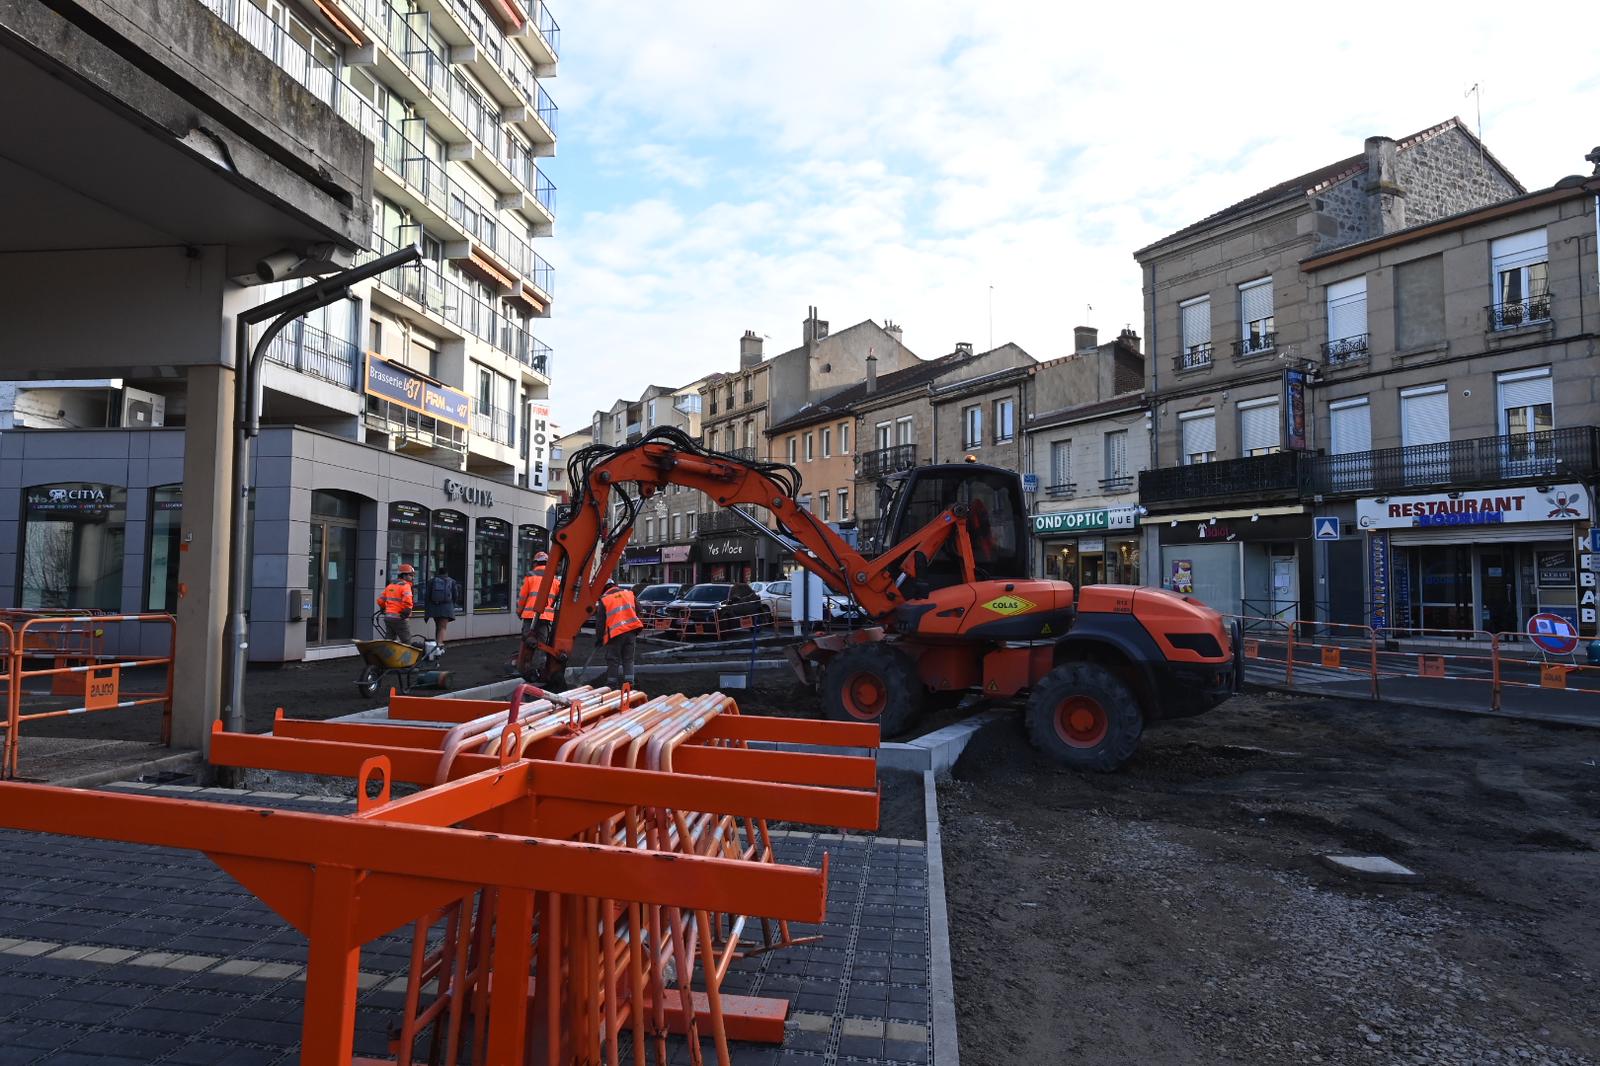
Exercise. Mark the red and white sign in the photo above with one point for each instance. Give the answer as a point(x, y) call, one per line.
point(1476, 507)
point(1553, 633)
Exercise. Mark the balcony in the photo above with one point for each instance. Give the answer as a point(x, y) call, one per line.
point(546, 30)
point(492, 424)
point(1255, 477)
point(1123, 483)
point(1255, 344)
point(722, 522)
point(1197, 357)
point(1347, 350)
point(311, 351)
point(885, 461)
point(749, 396)
point(1534, 311)
point(1557, 454)
point(1062, 491)
point(744, 455)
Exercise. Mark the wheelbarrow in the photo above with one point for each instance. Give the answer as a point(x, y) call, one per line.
point(382, 656)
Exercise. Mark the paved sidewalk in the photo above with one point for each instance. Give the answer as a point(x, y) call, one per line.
point(120, 954)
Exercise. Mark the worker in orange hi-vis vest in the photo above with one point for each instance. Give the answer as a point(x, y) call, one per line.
point(619, 628)
point(530, 593)
point(396, 601)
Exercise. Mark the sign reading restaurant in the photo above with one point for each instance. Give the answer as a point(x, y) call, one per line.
point(395, 383)
point(1478, 507)
point(1086, 521)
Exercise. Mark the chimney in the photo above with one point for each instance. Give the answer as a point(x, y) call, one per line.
point(963, 347)
point(813, 329)
point(872, 373)
point(1085, 339)
point(749, 350)
point(893, 329)
point(1386, 200)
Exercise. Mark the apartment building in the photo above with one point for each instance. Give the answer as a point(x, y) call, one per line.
point(1235, 330)
point(740, 409)
point(1088, 439)
point(566, 446)
point(405, 424)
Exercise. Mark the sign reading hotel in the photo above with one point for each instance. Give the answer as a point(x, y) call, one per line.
point(393, 382)
point(1086, 521)
point(538, 446)
point(1477, 507)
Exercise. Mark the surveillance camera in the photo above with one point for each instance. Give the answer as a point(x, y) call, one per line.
point(278, 265)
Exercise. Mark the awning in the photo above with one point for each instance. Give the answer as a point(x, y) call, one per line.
point(1510, 533)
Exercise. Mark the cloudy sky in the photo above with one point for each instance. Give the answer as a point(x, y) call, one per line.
point(725, 163)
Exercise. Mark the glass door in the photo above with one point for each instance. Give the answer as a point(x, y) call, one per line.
point(1497, 578)
point(332, 557)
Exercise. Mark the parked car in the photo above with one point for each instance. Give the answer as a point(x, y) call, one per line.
point(652, 600)
point(775, 594)
point(710, 609)
point(758, 587)
point(779, 595)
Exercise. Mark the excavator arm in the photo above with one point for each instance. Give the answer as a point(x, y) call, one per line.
point(586, 549)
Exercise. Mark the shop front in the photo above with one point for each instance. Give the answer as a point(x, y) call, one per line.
point(1090, 547)
point(641, 565)
point(1479, 559)
point(677, 564)
point(1253, 563)
point(727, 557)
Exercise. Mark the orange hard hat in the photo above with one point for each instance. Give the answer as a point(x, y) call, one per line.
point(406, 568)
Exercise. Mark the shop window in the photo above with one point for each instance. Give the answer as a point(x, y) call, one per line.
point(531, 540)
point(491, 566)
point(408, 542)
point(73, 546)
point(447, 545)
point(166, 534)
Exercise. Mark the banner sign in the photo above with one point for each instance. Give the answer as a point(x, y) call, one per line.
point(539, 441)
point(641, 556)
point(393, 382)
point(736, 548)
point(1086, 521)
point(675, 553)
point(1378, 578)
point(1294, 409)
point(1478, 507)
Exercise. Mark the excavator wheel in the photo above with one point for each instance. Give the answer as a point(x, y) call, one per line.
point(873, 683)
point(1084, 717)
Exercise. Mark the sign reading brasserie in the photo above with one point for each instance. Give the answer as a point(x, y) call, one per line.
point(1086, 521)
point(395, 383)
point(1477, 507)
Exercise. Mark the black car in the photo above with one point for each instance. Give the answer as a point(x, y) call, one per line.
point(717, 610)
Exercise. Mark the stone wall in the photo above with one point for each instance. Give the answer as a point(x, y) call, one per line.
point(1445, 176)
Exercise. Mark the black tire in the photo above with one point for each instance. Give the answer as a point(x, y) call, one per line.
point(873, 683)
point(1084, 717)
point(367, 683)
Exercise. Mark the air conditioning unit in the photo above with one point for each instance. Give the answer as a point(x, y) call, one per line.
point(142, 410)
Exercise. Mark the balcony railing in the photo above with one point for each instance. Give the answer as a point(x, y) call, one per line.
point(1572, 454)
point(1521, 313)
point(1256, 476)
point(1254, 344)
point(412, 427)
point(1064, 490)
point(721, 522)
point(749, 396)
point(492, 423)
point(885, 461)
point(1122, 483)
point(547, 26)
point(311, 351)
point(1346, 350)
point(746, 455)
point(1192, 358)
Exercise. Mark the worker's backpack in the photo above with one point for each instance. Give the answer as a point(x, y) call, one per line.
point(439, 590)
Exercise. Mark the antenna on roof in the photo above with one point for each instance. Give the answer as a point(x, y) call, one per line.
point(1477, 92)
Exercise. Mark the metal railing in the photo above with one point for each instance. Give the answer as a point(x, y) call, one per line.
point(1193, 358)
point(1120, 483)
point(885, 461)
point(546, 109)
point(1557, 453)
point(723, 522)
point(1254, 345)
point(1346, 350)
point(547, 26)
point(409, 425)
point(311, 351)
point(1272, 475)
point(1535, 308)
point(493, 423)
point(749, 396)
point(1061, 491)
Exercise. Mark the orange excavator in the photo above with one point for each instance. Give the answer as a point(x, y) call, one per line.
point(953, 609)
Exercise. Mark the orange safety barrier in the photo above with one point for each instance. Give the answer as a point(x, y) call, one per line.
point(682, 627)
point(90, 679)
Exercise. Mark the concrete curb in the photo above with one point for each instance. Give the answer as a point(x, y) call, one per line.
point(183, 760)
point(936, 751)
point(946, 1049)
point(1576, 719)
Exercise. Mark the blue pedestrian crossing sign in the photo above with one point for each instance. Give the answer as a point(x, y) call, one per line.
point(1325, 528)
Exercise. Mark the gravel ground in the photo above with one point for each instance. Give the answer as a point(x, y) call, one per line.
point(1176, 912)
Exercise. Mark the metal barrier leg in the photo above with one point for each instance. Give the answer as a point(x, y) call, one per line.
point(329, 1024)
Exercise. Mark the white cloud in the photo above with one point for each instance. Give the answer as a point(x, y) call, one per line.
point(897, 158)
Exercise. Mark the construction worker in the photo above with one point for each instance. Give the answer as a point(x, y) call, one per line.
point(530, 593)
point(396, 601)
point(619, 628)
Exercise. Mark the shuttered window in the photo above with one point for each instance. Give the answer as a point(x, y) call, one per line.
point(1196, 317)
point(1258, 426)
point(1255, 315)
point(1424, 415)
point(1199, 430)
point(1061, 463)
point(1351, 429)
point(1527, 402)
point(1347, 309)
point(1521, 279)
point(1116, 454)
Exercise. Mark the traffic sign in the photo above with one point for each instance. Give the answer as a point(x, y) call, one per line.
point(1553, 633)
point(1325, 527)
point(1030, 482)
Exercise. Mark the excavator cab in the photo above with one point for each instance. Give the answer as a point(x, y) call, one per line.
point(995, 519)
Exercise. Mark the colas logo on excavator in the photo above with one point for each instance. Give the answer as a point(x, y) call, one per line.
point(1009, 605)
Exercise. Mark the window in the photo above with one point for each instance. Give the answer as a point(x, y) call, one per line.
point(491, 566)
point(827, 442)
point(844, 438)
point(1419, 303)
point(1350, 434)
point(374, 331)
point(1521, 279)
point(485, 390)
point(73, 546)
point(650, 530)
point(730, 397)
point(1005, 422)
point(1425, 421)
point(693, 522)
point(1116, 468)
point(1199, 432)
point(650, 414)
point(408, 539)
point(882, 435)
point(810, 447)
point(1060, 469)
point(1347, 320)
point(1258, 426)
point(677, 527)
point(844, 505)
point(1255, 316)
point(447, 546)
point(792, 442)
point(972, 427)
point(616, 424)
point(1195, 320)
point(903, 428)
point(596, 432)
point(805, 501)
point(531, 540)
point(822, 505)
point(749, 433)
point(1527, 410)
point(166, 527)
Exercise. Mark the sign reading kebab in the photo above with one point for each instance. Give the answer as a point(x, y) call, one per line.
point(1490, 507)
